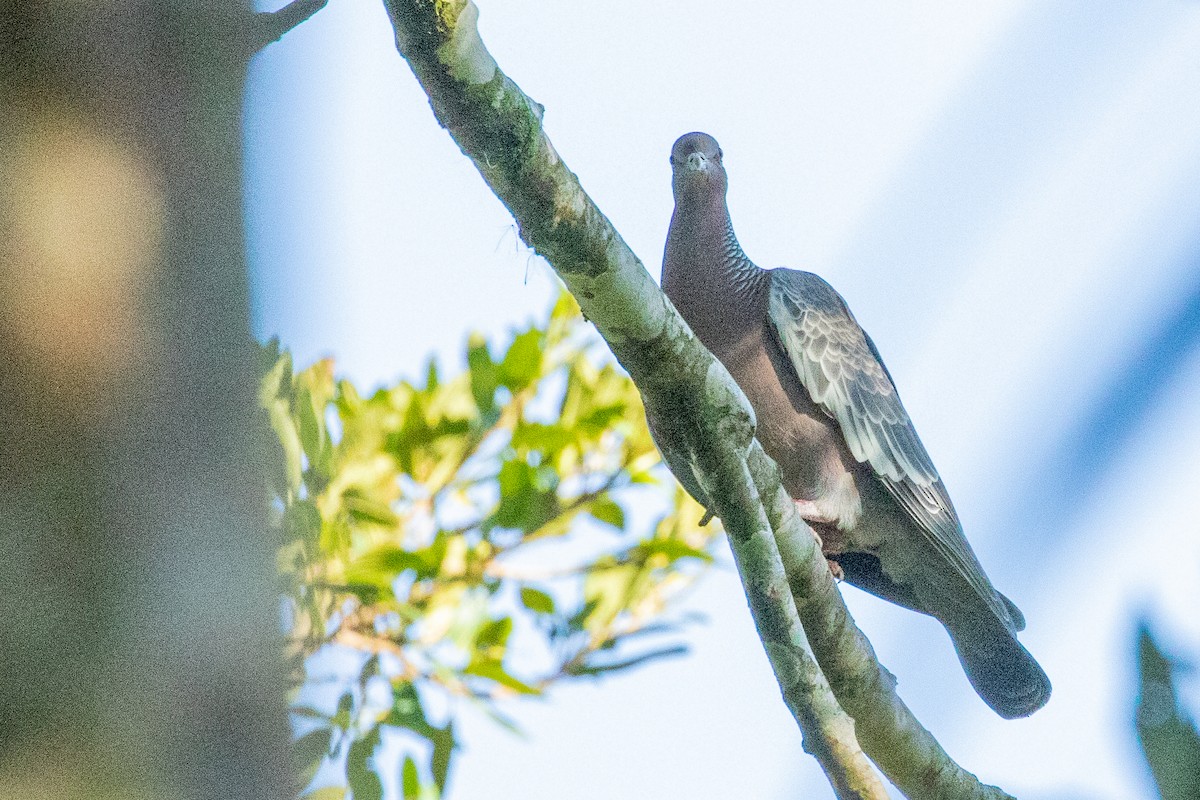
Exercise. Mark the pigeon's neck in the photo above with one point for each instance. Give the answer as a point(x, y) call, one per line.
point(702, 237)
point(706, 273)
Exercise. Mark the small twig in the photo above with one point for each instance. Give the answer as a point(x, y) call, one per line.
point(270, 26)
point(378, 644)
point(499, 570)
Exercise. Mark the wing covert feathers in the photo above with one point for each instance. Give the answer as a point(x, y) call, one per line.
point(840, 368)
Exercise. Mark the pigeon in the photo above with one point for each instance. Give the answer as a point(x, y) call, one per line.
point(828, 413)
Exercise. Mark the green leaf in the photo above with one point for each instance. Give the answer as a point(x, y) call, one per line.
point(410, 781)
point(276, 383)
point(366, 592)
point(326, 793)
point(268, 354)
point(494, 670)
point(348, 400)
point(673, 549)
point(309, 751)
point(526, 503)
point(443, 751)
point(379, 567)
point(523, 361)
point(361, 776)
point(365, 510)
point(406, 709)
point(516, 477)
point(370, 668)
point(579, 620)
point(485, 376)
point(311, 423)
point(275, 397)
point(607, 587)
point(279, 412)
point(431, 374)
point(407, 713)
point(565, 307)
point(546, 438)
point(536, 600)
point(345, 705)
point(598, 420)
point(494, 634)
point(302, 523)
point(1167, 734)
point(606, 510)
point(467, 451)
point(335, 537)
point(309, 712)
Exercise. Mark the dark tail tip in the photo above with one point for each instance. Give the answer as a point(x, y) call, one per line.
point(1003, 672)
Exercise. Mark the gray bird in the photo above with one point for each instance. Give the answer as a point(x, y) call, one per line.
point(829, 414)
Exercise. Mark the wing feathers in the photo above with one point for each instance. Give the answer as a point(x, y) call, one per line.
point(842, 371)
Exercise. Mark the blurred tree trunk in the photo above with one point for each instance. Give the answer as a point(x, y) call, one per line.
point(138, 633)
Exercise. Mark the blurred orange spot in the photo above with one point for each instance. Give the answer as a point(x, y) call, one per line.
point(86, 218)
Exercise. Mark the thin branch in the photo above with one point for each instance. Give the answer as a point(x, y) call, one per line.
point(270, 26)
point(499, 128)
point(357, 640)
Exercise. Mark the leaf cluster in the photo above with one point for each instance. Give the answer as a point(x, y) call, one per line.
point(423, 538)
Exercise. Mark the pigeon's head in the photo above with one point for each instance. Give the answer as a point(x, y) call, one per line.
point(696, 168)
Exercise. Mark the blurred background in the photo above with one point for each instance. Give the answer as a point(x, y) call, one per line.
point(1006, 192)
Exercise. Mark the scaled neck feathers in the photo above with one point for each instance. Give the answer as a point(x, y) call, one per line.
point(704, 259)
point(743, 275)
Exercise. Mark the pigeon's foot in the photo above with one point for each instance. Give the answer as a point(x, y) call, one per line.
point(834, 566)
point(836, 569)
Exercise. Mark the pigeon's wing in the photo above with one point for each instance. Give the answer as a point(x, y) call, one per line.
point(840, 368)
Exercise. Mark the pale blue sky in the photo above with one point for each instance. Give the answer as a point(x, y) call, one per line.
point(1006, 192)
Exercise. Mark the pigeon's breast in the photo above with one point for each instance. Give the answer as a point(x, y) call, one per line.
point(799, 436)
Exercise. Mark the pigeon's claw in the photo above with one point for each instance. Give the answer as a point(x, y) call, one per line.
point(836, 568)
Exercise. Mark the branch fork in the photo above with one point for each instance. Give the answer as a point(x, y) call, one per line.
point(826, 669)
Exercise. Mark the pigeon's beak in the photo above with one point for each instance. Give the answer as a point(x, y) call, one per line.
point(697, 174)
point(697, 162)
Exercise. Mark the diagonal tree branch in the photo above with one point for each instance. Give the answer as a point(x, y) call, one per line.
point(897, 742)
point(784, 575)
point(828, 732)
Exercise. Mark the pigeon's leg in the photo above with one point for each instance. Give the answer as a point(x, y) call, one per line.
point(834, 566)
point(836, 569)
point(811, 514)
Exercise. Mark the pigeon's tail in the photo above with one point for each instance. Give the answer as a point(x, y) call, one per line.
point(1002, 671)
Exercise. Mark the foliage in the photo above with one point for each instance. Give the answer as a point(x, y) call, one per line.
point(417, 526)
point(1166, 733)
